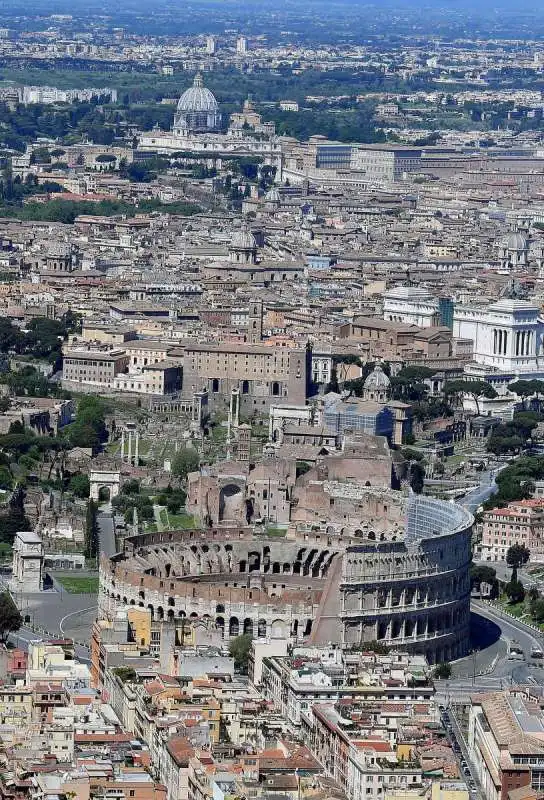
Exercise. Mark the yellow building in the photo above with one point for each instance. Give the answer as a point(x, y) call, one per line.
point(440, 790)
point(449, 790)
point(16, 704)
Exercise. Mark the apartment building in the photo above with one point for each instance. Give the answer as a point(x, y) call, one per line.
point(16, 705)
point(521, 522)
point(398, 341)
point(322, 675)
point(93, 367)
point(143, 352)
point(263, 375)
point(385, 163)
point(505, 740)
point(154, 379)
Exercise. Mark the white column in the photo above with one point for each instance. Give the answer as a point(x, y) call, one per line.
point(123, 445)
point(136, 450)
point(129, 454)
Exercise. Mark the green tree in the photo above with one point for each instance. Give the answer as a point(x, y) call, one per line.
point(417, 477)
point(10, 617)
point(11, 338)
point(523, 389)
point(442, 671)
point(89, 428)
point(515, 591)
point(185, 461)
point(132, 486)
point(239, 649)
point(91, 546)
point(537, 610)
point(13, 519)
point(474, 388)
point(516, 556)
point(6, 478)
point(481, 574)
point(125, 674)
point(80, 485)
point(409, 385)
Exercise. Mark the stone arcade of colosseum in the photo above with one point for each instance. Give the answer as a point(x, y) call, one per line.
point(401, 577)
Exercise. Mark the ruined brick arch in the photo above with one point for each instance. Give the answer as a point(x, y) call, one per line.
point(248, 626)
point(254, 561)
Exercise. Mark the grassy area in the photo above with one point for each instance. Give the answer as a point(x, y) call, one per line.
point(80, 584)
point(182, 521)
point(520, 610)
point(516, 609)
point(5, 550)
point(273, 531)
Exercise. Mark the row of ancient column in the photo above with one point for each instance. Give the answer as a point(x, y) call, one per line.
point(128, 437)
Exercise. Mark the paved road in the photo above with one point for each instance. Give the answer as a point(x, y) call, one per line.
point(466, 768)
point(476, 497)
point(106, 533)
point(46, 611)
point(511, 628)
point(487, 647)
point(490, 669)
point(25, 636)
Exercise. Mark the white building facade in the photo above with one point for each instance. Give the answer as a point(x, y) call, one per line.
point(508, 335)
point(411, 306)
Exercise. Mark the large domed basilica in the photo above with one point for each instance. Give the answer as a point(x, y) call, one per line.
point(197, 111)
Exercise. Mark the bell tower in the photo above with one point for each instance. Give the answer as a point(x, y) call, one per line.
point(255, 321)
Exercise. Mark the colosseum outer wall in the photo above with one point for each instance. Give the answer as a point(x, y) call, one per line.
point(413, 593)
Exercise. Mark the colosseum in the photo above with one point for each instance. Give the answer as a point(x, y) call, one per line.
point(402, 577)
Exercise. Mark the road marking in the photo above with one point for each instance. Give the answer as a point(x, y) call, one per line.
point(73, 614)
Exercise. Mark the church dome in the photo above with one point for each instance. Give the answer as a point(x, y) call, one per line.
point(243, 240)
point(273, 195)
point(377, 383)
point(516, 241)
point(198, 99)
point(59, 250)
